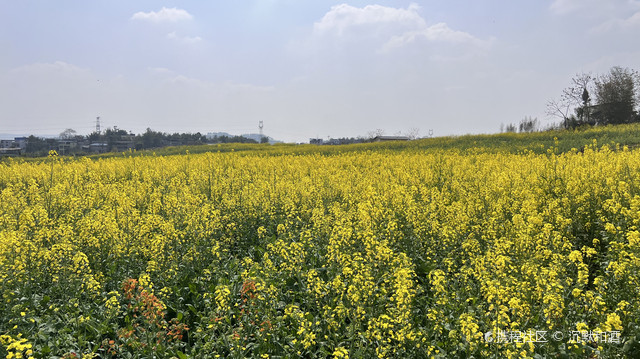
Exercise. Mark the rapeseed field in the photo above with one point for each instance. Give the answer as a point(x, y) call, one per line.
point(357, 254)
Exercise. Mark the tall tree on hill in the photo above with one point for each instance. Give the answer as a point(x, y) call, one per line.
point(584, 111)
point(586, 103)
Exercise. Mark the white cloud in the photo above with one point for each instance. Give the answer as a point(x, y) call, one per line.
point(159, 70)
point(603, 64)
point(602, 17)
point(593, 8)
point(633, 20)
point(165, 14)
point(619, 24)
point(185, 39)
point(440, 32)
point(188, 81)
point(391, 28)
point(343, 16)
point(191, 39)
point(565, 6)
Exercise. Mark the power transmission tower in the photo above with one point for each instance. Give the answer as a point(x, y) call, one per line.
point(98, 124)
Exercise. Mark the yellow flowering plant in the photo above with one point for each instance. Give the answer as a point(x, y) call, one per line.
point(352, 252)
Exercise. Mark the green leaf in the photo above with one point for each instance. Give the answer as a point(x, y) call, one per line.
point(192, 308)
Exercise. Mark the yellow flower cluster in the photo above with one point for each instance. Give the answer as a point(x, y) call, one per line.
point(16, 347)
point(340, 353)
point(222, 295)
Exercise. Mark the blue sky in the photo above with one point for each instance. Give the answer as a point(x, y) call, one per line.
point(306, 68)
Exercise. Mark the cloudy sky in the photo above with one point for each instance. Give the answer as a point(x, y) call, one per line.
point(306, 68)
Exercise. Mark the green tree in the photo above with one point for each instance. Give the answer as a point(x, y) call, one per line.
point(152, 139)
point(38, 146)
point(615, 95)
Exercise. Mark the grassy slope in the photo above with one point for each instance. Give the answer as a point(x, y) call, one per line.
point(537, 142)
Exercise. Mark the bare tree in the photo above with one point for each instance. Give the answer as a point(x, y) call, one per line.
point(558, 109)
point(574, 99)
point(580, 83)
point(413, 133)
point(377, 132)
point(68, 134)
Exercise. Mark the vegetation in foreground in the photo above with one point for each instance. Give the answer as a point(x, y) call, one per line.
point(386, 252)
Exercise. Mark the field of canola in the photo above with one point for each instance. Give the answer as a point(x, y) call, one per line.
point(359, 254)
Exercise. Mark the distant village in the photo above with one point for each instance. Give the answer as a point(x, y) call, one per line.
point(119, 140)
point(116, 140)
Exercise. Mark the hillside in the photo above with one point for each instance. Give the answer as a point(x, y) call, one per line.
point(536, 142)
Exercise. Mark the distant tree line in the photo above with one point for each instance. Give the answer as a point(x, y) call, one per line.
point(527, 124)
point(115, 139)
point(411, 134)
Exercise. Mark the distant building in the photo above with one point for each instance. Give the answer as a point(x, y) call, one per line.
point(22, 142)
point(65, 145)
point(336, 141)
point(126, 143)
point(8, 144)
point(9, 148)
point(10, 151)
point(98, 147)
point(213, 135)
point(390, 138)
